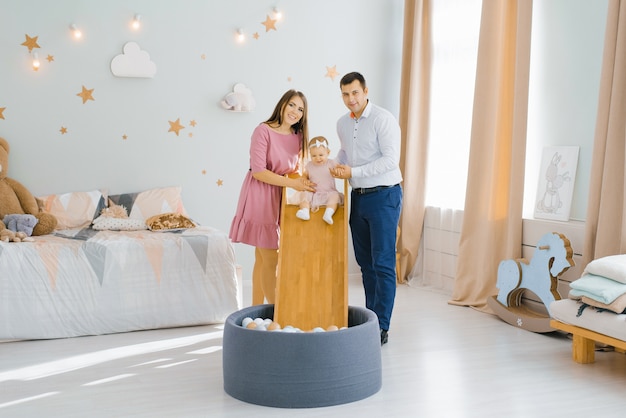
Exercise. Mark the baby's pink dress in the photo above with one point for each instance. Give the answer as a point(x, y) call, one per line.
point(320, 175)
point(256, 221)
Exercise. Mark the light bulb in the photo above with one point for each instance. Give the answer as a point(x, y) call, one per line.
point(36, 63)
point(77, 33)
point(136, 24)
point(240, 35)
point(277, 13)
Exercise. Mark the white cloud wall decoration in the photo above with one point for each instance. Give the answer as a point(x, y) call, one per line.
point(239, 100)
point(133, 63)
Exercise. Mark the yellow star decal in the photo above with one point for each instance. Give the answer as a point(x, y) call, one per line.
point(86, 94)
point(50, 58)
point(203, 172)
point(220, 182)
point(63, 130)
point(31, 43)
point(193, 123)
point(269, 23)
point(331, 72)
point(190, 134)
point(1, 112)
point(124, 137)
point(256, 35)
point(175, 126)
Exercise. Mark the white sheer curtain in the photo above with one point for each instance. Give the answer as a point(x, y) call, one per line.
point(455, 28)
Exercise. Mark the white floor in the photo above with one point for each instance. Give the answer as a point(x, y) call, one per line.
point(441, 361)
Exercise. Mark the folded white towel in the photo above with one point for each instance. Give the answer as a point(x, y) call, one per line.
point(612, 267)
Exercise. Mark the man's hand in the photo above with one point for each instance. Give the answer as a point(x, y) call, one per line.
point(341, 171)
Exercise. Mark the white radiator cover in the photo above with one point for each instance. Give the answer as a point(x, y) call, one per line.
point(437, 259)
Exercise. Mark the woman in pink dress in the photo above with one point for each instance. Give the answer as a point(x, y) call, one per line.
point(277, 147)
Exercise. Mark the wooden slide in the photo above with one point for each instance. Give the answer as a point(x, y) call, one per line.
point(312, 284)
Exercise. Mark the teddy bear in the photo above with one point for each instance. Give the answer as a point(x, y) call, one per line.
point(20, 223)
point(15, 198)
point(7, 235)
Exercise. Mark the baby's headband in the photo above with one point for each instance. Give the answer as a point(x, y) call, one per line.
point(318, 143)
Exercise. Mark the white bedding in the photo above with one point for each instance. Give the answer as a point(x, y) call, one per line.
point(102, 282)
point(603, 322)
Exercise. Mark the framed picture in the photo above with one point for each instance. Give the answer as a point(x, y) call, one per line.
point(556, 182)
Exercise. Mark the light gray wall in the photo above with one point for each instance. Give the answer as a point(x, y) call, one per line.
point(566, 58)
point(363, 35)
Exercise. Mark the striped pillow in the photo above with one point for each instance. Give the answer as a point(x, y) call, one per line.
point(143, 205)
point(74, 209)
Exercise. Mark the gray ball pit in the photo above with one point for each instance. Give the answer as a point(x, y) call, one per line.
point(302, 370)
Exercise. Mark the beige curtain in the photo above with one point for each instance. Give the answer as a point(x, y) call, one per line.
point(414, 125)
point(492, 224)
point(605, 229)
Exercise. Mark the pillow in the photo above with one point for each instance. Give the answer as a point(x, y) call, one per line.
point(612, 267)
point(73, 209)
point(169, 221)
point(107, 223)
point(143, 205)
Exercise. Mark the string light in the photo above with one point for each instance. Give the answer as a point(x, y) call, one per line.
point(240, 35)
point(136, 23)
point(36, 63)
point(277, 13)
point(77, 33)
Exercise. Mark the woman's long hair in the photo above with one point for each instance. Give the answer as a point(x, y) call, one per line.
point(301, 127)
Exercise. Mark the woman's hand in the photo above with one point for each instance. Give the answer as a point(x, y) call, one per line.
point(302, 184)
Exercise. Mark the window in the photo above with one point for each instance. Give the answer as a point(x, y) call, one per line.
point(455, 29)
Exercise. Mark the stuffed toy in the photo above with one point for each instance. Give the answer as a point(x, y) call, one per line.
point(16, 199)
point(20, 223)
point(7, 235)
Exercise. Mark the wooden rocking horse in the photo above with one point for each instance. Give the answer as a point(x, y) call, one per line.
point(552, 257)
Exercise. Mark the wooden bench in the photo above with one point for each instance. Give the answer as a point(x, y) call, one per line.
point(584, 341)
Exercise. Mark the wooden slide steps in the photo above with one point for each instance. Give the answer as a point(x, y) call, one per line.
point(312, 277)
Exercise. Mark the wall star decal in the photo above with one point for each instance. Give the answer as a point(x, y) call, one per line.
point(50, 58)
point(1, 112)
point(63, 130)
point(175, 126)
point(255, 35)
point(193, 122)
point(219, 182)
point(86, 94)
point(31, 43)
point(331, 72)
point(269, 23)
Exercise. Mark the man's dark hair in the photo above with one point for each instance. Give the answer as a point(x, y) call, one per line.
point(350, 77)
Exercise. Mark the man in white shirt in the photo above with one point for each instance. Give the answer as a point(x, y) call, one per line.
point(369, 157)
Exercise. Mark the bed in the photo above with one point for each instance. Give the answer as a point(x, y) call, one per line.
point(595, 310)
point(84, 281)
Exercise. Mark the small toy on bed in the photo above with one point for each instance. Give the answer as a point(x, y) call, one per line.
point(6, 235)
point(115, 211)
point(115, 218)
point(17, 222)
